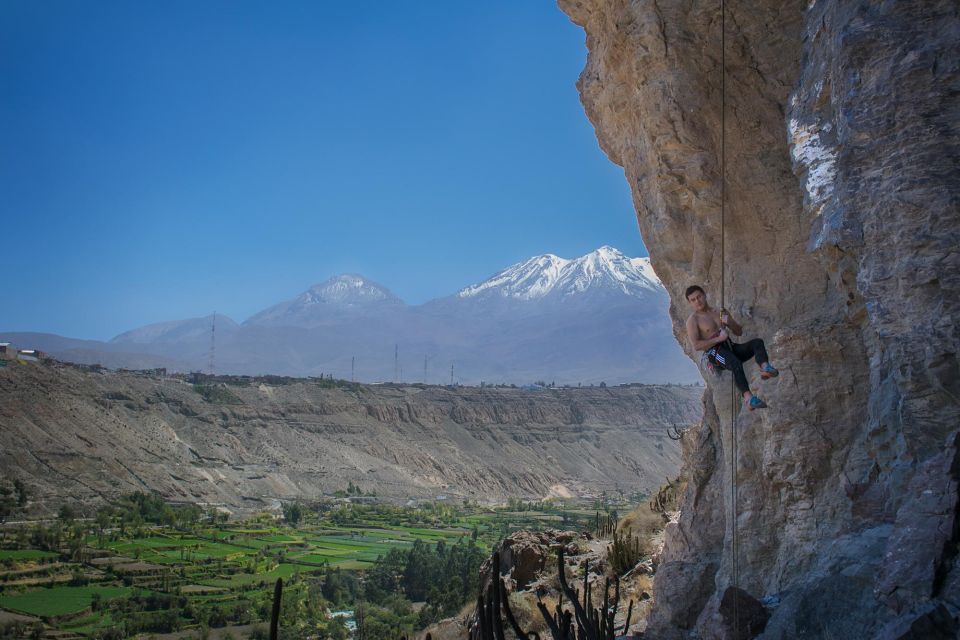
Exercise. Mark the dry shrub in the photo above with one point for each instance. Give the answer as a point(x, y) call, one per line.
point(524, 607)
point(643, 582)
point(643, 522)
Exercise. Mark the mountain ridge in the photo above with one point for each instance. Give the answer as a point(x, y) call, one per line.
point(601, 317)
point(550, 274)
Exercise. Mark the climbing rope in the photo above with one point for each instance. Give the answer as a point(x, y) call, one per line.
point(734, 490)
point(723, 154)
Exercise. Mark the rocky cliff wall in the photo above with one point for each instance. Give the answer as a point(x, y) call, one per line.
point(842, 237)
point(82, 437)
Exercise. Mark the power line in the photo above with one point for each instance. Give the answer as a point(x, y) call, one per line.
point(213, 343)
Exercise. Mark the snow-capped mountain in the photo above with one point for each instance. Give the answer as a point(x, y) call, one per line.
point(605, 269)
point(599, 317)
point(344, 294)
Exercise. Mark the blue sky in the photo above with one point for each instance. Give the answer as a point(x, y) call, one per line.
point(162, 160)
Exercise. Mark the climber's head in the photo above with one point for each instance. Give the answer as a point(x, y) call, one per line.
point(697, 297)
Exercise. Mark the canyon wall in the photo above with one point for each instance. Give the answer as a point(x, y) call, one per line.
point(83, 437)
point(842, 233)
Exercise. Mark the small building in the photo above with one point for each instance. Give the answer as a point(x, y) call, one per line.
point(7, 351)
point(31, 355)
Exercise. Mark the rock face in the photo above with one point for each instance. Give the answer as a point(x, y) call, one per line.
point(525, 554)
point(79, 436)
point(842, 227)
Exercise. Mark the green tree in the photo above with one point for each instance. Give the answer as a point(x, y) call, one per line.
point(418, 571)
point(103, 522)
point(339, 587)
point(384, 578)
point(337, 629)
point(21, 492)
point(7, 503)
point(293, 513)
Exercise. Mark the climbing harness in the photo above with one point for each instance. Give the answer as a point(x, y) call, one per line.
point(709, 365)
point(712, 363)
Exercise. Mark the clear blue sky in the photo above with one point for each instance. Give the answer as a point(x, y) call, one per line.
point(162, 160)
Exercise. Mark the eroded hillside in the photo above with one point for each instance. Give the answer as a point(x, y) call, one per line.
point(81, 436)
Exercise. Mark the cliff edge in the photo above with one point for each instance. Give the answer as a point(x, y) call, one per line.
point(842, 228)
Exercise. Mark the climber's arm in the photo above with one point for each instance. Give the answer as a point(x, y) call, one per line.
point(727, 320)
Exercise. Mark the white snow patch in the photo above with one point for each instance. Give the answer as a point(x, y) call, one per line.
point(547, 274)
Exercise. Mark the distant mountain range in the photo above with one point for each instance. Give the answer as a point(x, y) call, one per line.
point(598, 318)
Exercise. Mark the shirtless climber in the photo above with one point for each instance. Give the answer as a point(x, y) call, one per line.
point(708, 328)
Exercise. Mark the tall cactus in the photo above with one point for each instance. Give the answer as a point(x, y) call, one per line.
point(584, 622)
point(275, 614)
point(592, 623)
point(606, 524)
point(624, 552)
point(489, 623)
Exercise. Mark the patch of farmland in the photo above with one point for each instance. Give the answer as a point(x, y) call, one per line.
point(26, 554)
point(58, 601)
point(282, 570)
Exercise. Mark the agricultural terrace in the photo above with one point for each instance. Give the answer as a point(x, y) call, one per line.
point(144, 567)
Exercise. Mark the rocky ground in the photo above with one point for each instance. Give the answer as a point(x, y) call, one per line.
point(80, 436)
point(528, 565)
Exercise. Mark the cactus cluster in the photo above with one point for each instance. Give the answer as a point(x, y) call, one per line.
point(667, 496)
point(579, 620)
point(605, 524)
point(625, 552)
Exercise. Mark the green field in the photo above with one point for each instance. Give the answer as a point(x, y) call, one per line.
point(58, 601)
point(244, 579)
point(25, 554)
point(160, 577)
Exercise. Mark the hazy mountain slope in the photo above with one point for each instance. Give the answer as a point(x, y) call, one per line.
point(95, 352)
point(74, 435)
point(190, 331)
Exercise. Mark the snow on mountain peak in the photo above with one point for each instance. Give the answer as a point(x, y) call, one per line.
point(347, 288)
point(548, 274)
point(348, 292)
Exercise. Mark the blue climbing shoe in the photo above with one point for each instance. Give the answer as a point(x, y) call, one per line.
point(768, 371)
point(756, 403)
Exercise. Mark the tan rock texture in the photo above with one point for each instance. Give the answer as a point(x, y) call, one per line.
point(842, 234)
point(81, 437)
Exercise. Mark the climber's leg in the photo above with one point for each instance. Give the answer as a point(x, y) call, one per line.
point(727, 359)
point(756, 349)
